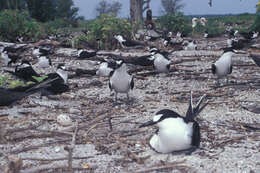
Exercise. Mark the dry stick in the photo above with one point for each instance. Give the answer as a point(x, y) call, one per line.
point(23, 149)
point(156, 168)
point(70, 148)
point(55, 159)
point(52, 166)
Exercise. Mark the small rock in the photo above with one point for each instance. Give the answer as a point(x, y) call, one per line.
point(57, 149)
point(64, 120)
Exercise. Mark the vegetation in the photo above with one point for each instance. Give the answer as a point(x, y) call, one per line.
point(105, 7)
point(104, 28)
point(14, 24)
point(174, 23)
point(172, 6)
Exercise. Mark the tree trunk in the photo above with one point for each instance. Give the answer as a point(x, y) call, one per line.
point(136, 11)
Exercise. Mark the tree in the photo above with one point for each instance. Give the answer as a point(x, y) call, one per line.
point(137, 7)
point(46, 10)
point(172, 6)
point(12, 4)
point(105, 7)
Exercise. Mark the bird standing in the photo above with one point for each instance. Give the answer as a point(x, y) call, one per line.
point(223, 66)
point(120, 81)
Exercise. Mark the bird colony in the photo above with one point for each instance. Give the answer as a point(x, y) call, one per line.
point(161, 104)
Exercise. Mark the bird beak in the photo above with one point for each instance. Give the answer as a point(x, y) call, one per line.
point(149, 123)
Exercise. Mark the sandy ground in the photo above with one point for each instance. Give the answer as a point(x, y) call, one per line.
point(108, 137)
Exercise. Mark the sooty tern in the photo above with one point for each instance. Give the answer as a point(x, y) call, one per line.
point(176, 133)
point(223, 66)
point(120, 81)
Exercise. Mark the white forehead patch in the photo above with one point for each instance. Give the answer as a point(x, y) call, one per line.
point(156, 118)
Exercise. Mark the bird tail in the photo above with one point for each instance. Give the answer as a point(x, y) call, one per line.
point(193, 112)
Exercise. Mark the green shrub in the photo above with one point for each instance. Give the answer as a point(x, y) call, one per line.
point(174, 23)
point(104, 28)
point(15, 24)
point(256, 25)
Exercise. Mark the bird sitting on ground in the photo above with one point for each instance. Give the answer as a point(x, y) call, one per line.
point(84, 54)
point(58, 86)
point(190, 45)
point(128, 43)
point(106, 68)
point(11, 95)
point(223, 66)
point(24, 71)
point(176, 133)
point(161, 63)
point(44, 62)
point(120, 81)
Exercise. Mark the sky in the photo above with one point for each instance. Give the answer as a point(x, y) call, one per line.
point(192, 7)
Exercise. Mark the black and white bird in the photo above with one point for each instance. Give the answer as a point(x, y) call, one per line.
point(128, 43)
point(161, 63)
point(41, 51)
point(190, 45)
point(60, 84)
point(24, 71)
point(44, 62)
point(176, 133)
point(84, 54)
point(106, 68)
point(5, 58)
point(223, 66)
point(121, 81)
point(11, 95)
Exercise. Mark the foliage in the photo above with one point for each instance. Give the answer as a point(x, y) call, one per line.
point(104, 28)
point(15, 24)
point(105, 7)
point(172, 6)
point(12, 4)
point(174, 23)
point(256, 25)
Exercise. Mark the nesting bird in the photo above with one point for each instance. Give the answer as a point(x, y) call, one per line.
point(191, 45)
point(120, 81)
point(25, 71)
point(44, 62)
point(5, 58)
point(128, 43)
point(106, 68)
point(84, 54)
point(60, 84)
point(223, 66)
point(161, 63)
point(176, 133)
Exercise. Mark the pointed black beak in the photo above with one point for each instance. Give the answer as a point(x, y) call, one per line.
point(149, 123)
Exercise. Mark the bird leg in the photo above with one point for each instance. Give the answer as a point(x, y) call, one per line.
point(116, 96)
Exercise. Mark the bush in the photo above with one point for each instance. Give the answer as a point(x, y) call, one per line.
point(14, 24)
point(57, 26)
point(104, 28)
point(174, 23)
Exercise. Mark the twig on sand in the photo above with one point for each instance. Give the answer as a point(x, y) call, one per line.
point(70, 148)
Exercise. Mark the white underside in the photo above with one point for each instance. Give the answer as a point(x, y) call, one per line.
point(104, 70)
point(63, 74)
point(120, 81)
point(174, 135)
point(160, 63)
point(223, 65)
